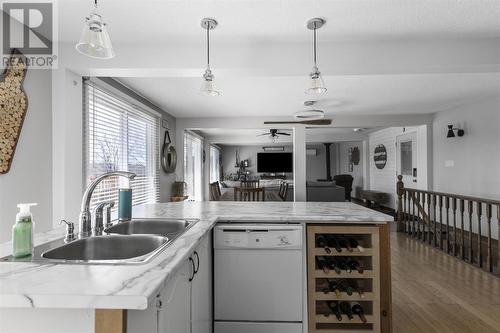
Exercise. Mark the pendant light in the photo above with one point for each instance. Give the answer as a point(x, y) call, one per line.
point(207, 86)
point(316, 85)
point(94, 40)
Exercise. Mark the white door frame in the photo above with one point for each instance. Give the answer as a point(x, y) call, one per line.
point(411, 179)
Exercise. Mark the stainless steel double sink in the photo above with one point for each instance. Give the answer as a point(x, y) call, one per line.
point(135, 241)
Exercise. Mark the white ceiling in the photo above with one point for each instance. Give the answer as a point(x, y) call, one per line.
point(143, 21)
point(282, 96)
point(377, 56)
point(239, 137)
point(244, 136)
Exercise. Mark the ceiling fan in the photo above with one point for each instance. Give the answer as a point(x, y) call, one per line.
point(274, 134)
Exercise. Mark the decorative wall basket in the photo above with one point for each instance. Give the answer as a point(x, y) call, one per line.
point(355, 155)
point(13, 108)
point(380, 156)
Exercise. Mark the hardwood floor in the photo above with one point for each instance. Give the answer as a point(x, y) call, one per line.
point(434, 292)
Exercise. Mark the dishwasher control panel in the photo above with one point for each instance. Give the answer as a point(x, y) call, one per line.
point(258, 236)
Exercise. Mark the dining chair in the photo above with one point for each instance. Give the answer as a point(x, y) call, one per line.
point(215, 193)
point(283, 191)
point(250, 183)
point(249, 194)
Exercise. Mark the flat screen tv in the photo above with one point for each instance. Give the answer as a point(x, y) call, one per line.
point(274, 162)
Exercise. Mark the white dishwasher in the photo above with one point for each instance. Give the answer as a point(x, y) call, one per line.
point(258, 278)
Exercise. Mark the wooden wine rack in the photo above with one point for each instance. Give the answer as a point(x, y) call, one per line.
point(320, 318)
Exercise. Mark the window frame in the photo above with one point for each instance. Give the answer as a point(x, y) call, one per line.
point(198, 189)
point(136, 110)
point(217, 177)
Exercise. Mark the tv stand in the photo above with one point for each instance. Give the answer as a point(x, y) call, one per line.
point(273, 176)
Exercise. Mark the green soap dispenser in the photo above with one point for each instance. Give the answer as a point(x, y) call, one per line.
point(22, 232)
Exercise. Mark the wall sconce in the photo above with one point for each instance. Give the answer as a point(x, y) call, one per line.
point(451, 133)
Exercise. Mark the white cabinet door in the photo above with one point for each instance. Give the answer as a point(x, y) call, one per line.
point(176, 302)
point(170, 311)
point(186, 305)
point(201, 288)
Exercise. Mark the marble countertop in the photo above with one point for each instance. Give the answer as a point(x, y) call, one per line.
point(36, 285)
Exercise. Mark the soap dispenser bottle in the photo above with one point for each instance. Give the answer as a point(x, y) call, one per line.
point(22, 232)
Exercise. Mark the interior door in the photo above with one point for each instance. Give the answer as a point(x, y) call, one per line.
point(407, 159)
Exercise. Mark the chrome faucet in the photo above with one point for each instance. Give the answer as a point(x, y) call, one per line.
point(99, 217)
point(85, 227)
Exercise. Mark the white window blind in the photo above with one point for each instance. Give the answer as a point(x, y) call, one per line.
point(193, 166)
point(119, 135)
point(214, 164)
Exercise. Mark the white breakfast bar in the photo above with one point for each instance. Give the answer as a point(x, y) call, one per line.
point(59, 297)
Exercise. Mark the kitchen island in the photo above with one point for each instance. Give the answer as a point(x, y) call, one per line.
point(86, 298)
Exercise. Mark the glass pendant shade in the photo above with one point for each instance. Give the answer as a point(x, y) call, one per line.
point(316, 84)
point(94, 40)
point(208, 88)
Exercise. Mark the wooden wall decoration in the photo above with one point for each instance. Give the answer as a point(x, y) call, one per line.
point(13, 108)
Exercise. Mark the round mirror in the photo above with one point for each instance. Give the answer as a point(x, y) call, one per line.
point(380, 156)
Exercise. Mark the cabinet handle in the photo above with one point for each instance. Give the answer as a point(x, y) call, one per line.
point(194, 270)
point(198, 262)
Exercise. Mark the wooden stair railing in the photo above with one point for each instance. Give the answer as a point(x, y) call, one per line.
point(453, 223)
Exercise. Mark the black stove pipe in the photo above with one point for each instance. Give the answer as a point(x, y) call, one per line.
point(328, 169)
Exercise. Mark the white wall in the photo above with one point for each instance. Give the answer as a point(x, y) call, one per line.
point(316, 164)
point(384, 180)
point(469, 165)
point(357, 170)
point(475, 156)
point(30, 176)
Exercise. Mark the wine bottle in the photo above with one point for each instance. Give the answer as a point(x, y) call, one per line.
point(345, 307)
point(345, 244)
point(334, 307)
point(343, 265)
point(354, 244)
point(354, 265)
point(335, 287)
point(333, 243)
point(346, 287)
point(334, 264)
point(324, 285)
point(323, 264)
point(357, 309)
point(322, 243)
point(355, 286)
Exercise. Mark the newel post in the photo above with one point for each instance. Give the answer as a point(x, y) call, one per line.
point(400, 191)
